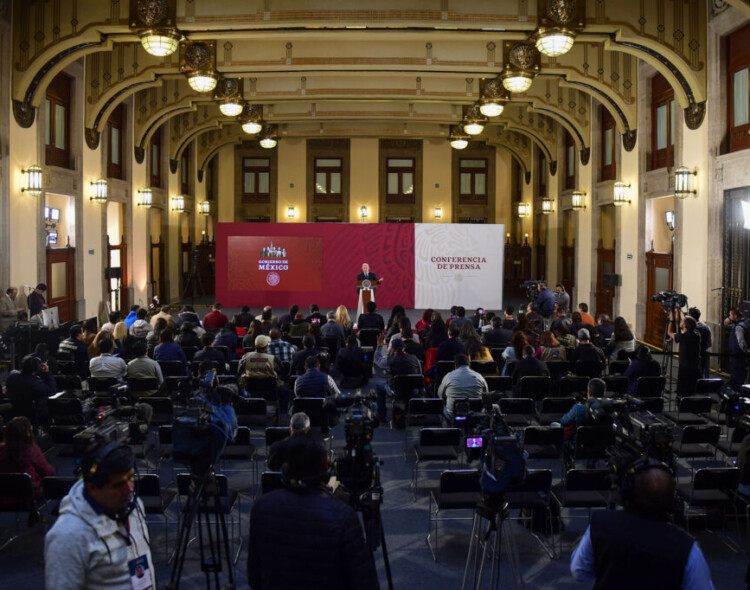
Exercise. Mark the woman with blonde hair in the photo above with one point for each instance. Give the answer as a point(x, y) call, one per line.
point(343, 319)
point(94, 346)
point(120, 336)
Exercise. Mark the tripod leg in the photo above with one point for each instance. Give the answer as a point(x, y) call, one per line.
point(385, 556)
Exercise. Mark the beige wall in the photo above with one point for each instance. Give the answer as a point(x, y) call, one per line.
point(291, 180)
point(67, 225)
point(436, 179)
point(363, 179)
point(656, 226)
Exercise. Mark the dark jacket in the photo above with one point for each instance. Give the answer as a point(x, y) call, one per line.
point(448, 350)
point(298, 360)
point(76, 351)
point(306, 539)
point(497, 338)
point(29, 395)
point(211, 354)
point(350, 361)
point(188, 338)
point(313, 383)
point(528, 367)
point(371, 321)
point(586, 352)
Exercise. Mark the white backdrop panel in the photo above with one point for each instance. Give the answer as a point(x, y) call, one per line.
point(458, 264)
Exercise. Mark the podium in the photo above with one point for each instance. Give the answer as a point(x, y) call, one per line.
point(366, 290)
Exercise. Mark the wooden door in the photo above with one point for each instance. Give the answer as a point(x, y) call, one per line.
point(158, 271)
point(568, 274)
point(605, 264)
point(117, 289)
point(540, 261)
point(186, 264)
point(61, 286)
point(517, 269)
point(207, 266)
point(659, 267)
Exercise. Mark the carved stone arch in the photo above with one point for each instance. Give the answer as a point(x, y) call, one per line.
point(157, 122)
point(184, 105)
point(515, 155)
point(537, 140)
point(102, 112)
point(570, 127)
point(210, 124)
point(212, 152)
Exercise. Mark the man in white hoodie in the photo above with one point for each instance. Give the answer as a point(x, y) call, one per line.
point(101, 540)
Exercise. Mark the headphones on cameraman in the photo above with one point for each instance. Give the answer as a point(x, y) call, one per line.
point(627, 488)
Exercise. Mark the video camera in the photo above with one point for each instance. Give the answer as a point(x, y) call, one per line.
point(360, 419)
point(531, 287)
point(671, 299)
point(736, 409)
point(125, 425)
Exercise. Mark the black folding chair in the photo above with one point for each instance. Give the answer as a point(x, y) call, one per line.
point(19, 487)
point(499, 383)
point(435, 444)
point(458, 490)
point(156, 501)
point(534, 493)
point(649, 386)
point(589, 369)
point(690, 410)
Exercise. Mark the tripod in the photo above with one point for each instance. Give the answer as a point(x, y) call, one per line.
point(490, 517)
point(194, 278)
point(667, 361)
point(204, 499)
point(367, 496)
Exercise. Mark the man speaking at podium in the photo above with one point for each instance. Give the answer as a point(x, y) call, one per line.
point(366, 275)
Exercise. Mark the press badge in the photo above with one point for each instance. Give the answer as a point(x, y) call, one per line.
point(140, 574)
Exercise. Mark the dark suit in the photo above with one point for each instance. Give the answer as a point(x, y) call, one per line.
point(370, 276)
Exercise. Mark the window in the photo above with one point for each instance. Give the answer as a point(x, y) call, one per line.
point(570, 162)
point(472, 179)
point(609, 166)
point(114, 143)
point(739, 89)
point(185, 171)
point(210, 179)
point(57, 122)
point(400, 180)
point(662, 122)
point(256, 180)
point(328, 173)
point(542, 172)
point(155, 160)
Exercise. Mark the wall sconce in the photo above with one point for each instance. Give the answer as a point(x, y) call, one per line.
point(621, 193)
point(669, 218)
point(438, 212)
point(523, 210)
point(32, 182)
point(178, 204)
point(204, 208)
point(98, 191)
point(147, 197)
point(548, 206)
point(578, 200)
point(290, 212)
point(525, 239)
point(363, 212)
point(682, 182)
point(507, 238)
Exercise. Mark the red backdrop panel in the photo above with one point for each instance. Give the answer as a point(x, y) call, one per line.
point(284, 263)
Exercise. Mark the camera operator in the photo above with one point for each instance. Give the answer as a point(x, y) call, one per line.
point(101, 538)
point(299, 426)
point(638, 547)
point(706, 338)
point(739, 347)
point(329, 548)
point(562, 299)
point(689, 339)
point(545, 303)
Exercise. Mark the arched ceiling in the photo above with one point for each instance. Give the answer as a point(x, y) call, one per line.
point(356, 68)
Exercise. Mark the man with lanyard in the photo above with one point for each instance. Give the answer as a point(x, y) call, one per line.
point(101, 539)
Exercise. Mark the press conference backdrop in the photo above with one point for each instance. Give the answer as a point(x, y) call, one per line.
point(423, 265)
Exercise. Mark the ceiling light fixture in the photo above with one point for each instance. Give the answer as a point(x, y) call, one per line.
point(458, 139)
point(203, 80)
point(160, 42)
point(492, 97)
point(268, 137)
point(558, 24)
point(230, 107)
point(522, 64)
point(473, 122)
point(251, 119)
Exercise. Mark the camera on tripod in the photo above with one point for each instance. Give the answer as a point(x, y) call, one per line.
point(360, 419)
point(531, 287)
point(671, 299)
point(125, 425)
point(737, 410)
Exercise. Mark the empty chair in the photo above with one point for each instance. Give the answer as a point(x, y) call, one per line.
point(517, 411)
point(499, 382)
point(408, 386)
point(552, 409)
point(534, 493)
point(163, 410)
point(270, 481)
point(591, 443)
point(708, 386)
point(54, 489)
point(143, 387)
point(617, 384)
point(588, 369)
point(543, 442)
point(484, 367)
point(689, 410)
point(458, 490)
point(534, 387)
point(63, 438)
point(557, 369)
point(584, 488)
point(67, 382)
point(66, 367)
point(712, 487)
point(435, 444)
point(66, 411)
point(731, 446)
point(618, 367)
point(650, 386)
point(102, 384)
point(264, 387)
point(156, 500)
point(238, 451)
point(697, 442)
point(19, 487)
point(252, 412)
point(571, 385)
point(422, 412)
point(172, 368)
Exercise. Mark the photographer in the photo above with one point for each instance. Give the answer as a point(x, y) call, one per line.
point(545, 303)
point(739, 347)
point(638, 547)
point(690, 352)
point(706, 338)
point(329, 548)
point(101, 538)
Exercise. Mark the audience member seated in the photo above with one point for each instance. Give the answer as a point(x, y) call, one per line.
point(142, 367)
point(140, 328)
point(585, 351)
point(475, 350)
point(89, 331)
point(299, 326)
point(187, 336)
point(94, 349)
point(308, 349)
point(255, 330)
point(227, 336)
point(267, 311)
point(74, 348)
point(497, 336)
point(528, 366)
point(436, 333)
point(169, 350)
point(209, 353)
point(534, 318)
point(643, 366)
point(286, 320)
point(260, 363)
point(449, 348)
point(332, 329)
point(314, 329)
point(132, 316)
point(214, 319)
point(514, 352)
point(278, 452)
point(343, 319)
point(561, 330)
point(370, 320)
point(622, 339)
point(410, 340)
point(107, 366)
point(281, 349)
point(583, 309)
point(315, 315)
point(152, 339)
point(166, 313)
point(122, 341)
point(509, 321)
point(577, 324)
point(461, 382)
point(14, 329)
point(460, 318)
point(29, 389)
point(314, 382)
point(41, 351)
point(187, 314)
point(245, 317)
point(351, 364)
point(267, 321)
point(550, 348)
point(422, 324)
point(20, 454)
point(113, 318)
point(524, 325)
point(604, 327)
point(400, 363)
